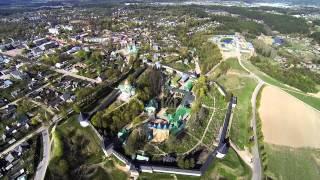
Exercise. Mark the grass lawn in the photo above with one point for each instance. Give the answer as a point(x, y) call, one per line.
point(231, 167)
point(241, 86)
point(312, 101)
point(158, 176)
point(234, 64)
point(197, 128)
point(218, 117)
point(181, 66)
point(289, 163)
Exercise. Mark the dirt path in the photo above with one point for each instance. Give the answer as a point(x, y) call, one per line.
point(288, 121)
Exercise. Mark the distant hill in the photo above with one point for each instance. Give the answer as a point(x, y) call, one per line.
point(51, 2)
point(45, 1)
point(290, 2)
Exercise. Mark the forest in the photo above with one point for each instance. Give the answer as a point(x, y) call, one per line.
point(283, 23)
point(316, 36)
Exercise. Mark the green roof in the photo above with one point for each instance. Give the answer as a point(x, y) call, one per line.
point(176, 117)
point(188, 85)
point(142, 158)
point(132, 49)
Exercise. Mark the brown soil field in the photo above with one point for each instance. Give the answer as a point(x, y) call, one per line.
point(288, 121)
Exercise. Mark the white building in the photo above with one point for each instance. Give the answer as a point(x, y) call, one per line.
point(54, 31)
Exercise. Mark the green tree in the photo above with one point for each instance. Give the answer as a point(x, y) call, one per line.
point(76, 108)
point(34, 121)
point(180, 163)
point(97, 119)
point(137, 120)
point(192, 162)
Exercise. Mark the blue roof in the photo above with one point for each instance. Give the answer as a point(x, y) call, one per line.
point(278, 40)
point(8, 82)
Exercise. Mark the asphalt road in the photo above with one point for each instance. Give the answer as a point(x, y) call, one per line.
point(42, 167)
point(75, 75)
point(257, 170)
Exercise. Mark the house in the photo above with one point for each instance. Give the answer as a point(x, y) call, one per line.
point(54, 31)
point(75, 38)
point(40, 41)
point(11, 108)
point(100, 40)
point(74, 50)
point(15, 93)
point(127, 91)
point(6, 47)
point(22, 177)
point(9, 158)
point(5, 84)
point(3, 102)
point(23, 120)
point(278, 41)
point(151, 107)
point(48, 45)
point(184, 78)
point(187, 99)
point(18, 151)
point(66, 97)
point(36, 52)
point(155, 47)
point(17, 74)
point(132, 49)
point(67, 27)
point(1, 59)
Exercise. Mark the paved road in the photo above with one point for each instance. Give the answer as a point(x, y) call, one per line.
point(42, 167)
point(257, 170)
point(74, 75)
point(17, 143)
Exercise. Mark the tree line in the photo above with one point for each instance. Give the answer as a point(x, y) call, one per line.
point(296, 77)
point(280, 22)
